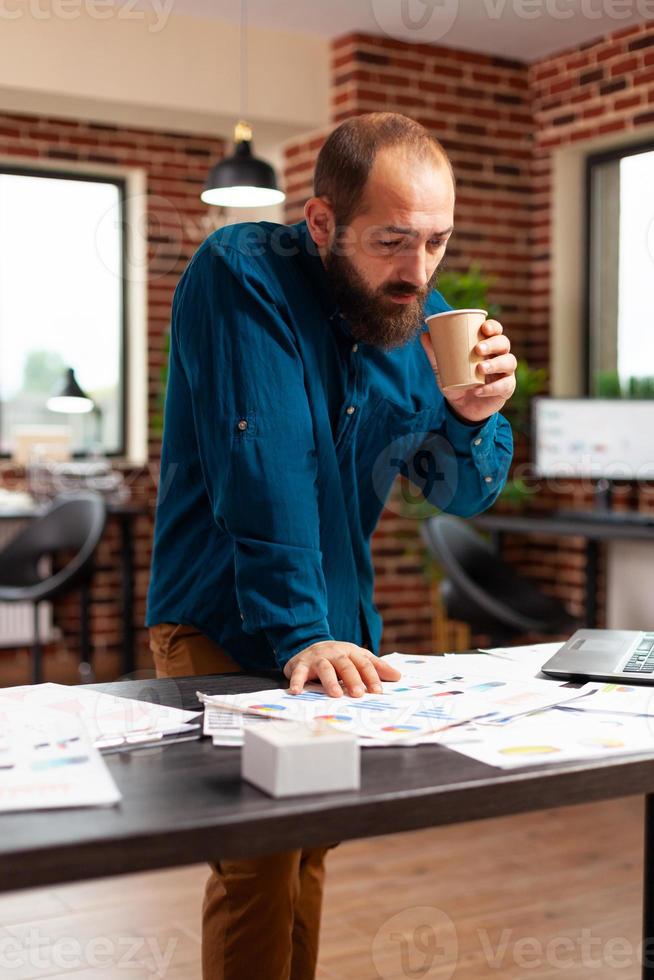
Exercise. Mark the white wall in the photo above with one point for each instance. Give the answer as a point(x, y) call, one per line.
point(137, 67)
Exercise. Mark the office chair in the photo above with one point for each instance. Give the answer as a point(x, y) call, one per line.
point(487, 593)
point(73, 522)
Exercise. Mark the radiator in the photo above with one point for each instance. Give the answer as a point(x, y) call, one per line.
point(17, 618)
point(17, 623)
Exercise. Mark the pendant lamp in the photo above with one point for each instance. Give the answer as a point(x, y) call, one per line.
point(70, 398)
point(241, 180)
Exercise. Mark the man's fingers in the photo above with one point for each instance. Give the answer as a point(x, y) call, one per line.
point(496, 344)
point(385, 670)
point(491, 327)
point(369, 675)
point(328, 679)
point(299, 677)
point(502, 364)
point(349, 675)
point(502, 388)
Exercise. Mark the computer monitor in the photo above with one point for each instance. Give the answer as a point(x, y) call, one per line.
point(596, 438)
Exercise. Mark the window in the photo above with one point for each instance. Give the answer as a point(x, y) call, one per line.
point(62, 303)
point(620, 273)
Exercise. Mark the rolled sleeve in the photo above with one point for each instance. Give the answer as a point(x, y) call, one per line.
point(470, 463)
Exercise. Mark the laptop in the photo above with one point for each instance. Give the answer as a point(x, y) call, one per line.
point(605, 655)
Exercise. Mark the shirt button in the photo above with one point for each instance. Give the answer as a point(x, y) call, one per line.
point(488, 479)
point(350, 409)
point(355, 348)
point(242, 425)
point(477, 442)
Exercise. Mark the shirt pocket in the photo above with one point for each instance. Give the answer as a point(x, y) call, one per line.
point(399, 420)
point(393, 435)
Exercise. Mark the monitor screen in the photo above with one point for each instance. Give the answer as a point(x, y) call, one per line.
point(594, 437)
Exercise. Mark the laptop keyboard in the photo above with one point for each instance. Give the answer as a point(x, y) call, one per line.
point(642, 659)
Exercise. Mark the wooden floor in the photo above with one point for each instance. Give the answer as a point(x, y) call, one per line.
point(549, 894)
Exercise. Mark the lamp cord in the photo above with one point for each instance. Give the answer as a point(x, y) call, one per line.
point(244, 59)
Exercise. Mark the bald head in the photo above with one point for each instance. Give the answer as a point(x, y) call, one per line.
point(386, 144)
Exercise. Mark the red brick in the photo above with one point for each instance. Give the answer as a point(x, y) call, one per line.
point(612, 127)
point(630, 31)
point(345, 40)
point(563, 85)
point(611, 51)
point(449, 71)
point(624, 66)
point(628, 102)
point(341, 62)
point(544, 72)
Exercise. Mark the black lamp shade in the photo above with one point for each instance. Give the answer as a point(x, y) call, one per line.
point(242, 180)
point(70, 397)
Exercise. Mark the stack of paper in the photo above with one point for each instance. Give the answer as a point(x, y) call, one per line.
point(48, 761)
point(429, 699)
point(603, 720)
point(494, 706)
point(228, 727)
point(108, 720)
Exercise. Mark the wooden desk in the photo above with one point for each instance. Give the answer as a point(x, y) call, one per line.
point(186, 803)
point(593, 532)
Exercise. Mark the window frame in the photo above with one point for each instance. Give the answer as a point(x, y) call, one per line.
point(593, 160)
point(121, 184)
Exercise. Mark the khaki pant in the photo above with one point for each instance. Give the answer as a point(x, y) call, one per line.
point(261, 916)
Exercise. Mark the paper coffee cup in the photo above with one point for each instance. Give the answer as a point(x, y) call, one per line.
point(454, 335)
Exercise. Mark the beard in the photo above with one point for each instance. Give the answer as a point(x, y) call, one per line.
point(372, 315)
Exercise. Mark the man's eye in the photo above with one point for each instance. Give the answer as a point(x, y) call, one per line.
point(437, 242)
point(390, 244)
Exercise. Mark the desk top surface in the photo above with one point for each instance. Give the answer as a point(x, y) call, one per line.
point(186, 803)
point(557, 526)
point(127, 508)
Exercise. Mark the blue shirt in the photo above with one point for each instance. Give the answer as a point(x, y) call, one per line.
point(282, 439)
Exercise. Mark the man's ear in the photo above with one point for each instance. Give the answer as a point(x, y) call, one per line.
point(319, 217)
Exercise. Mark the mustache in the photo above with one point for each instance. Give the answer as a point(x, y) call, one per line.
point(401, 289)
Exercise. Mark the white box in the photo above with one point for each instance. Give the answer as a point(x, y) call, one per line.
point(287, 759)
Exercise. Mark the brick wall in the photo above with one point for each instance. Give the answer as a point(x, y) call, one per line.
point(499, 121)
point(603, 88)
point(175, 165)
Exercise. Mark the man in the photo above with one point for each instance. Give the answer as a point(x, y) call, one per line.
point(301, 382)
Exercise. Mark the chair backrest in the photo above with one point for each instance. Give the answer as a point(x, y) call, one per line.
point(494, 591)
point(72, 523)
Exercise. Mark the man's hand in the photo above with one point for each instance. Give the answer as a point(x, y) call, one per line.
point(498, 368)
point(329, 660)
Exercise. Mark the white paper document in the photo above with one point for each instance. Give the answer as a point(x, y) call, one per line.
point(380, 717)
point(228, 727)
point(624, 699)
point(106, 718)
point(515, 662)
point(48, 761)
point(407, 710)
point(553, 736)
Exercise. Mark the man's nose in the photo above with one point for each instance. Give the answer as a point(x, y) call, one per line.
point(413, 268)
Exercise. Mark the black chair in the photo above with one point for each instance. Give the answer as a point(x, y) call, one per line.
point(72, 523)
point(482, 590)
